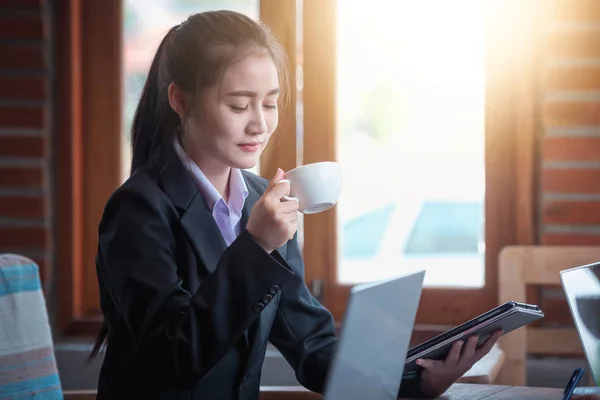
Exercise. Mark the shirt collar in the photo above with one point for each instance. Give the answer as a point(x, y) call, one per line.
point(238, 190)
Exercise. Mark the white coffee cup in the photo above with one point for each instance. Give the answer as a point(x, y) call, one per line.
point(316, 187)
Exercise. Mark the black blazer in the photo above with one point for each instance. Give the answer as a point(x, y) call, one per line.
point(189, 317)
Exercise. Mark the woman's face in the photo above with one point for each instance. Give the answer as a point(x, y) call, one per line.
point(237, 117)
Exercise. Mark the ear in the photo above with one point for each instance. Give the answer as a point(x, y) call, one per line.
point(178, 100)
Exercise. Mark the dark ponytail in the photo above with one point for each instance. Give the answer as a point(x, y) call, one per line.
point(154, 119)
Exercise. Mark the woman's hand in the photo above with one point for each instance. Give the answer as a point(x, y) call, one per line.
point(273, 222)
point(438, 376)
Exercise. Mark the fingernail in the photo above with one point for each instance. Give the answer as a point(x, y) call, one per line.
point(419, 362)
point(460, 343)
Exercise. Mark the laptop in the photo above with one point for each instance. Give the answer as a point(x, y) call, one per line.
point(368, 361)
point(582, 289)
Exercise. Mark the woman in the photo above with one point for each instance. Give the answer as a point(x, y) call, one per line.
point(198, 261)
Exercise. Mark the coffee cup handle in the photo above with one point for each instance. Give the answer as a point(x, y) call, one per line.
point(288, 198)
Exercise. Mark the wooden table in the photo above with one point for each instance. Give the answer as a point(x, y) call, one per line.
point(460, 391)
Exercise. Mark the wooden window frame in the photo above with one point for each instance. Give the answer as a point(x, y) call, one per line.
point(88, 135)
point(510, 159)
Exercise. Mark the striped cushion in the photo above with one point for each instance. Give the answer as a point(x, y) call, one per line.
point(27, 362)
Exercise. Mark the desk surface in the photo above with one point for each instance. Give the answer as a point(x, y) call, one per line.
point(459, 391)
point(475, 392)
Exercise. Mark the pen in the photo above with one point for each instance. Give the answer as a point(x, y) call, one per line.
point(572, 384)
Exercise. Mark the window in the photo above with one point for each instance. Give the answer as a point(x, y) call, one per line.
point(400, 94)
point(414, 184)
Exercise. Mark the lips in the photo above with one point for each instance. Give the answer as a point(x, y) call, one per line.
point(251, 144)
point(250, 147)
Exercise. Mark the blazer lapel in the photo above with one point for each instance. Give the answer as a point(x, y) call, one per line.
point(204, 233)
point(197, 221)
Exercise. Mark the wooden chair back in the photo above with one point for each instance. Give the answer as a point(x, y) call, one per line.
point(519, 267)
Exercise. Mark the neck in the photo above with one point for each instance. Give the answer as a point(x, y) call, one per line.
point(217, 174)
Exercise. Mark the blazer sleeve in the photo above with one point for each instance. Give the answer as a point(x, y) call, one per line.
point(304, 331)
point(184, 333)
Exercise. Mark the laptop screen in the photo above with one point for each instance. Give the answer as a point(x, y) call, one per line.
point(582, 289)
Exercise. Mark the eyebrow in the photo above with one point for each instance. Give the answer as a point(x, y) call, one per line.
point(248, 93)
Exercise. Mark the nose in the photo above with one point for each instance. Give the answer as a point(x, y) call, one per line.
point(258, 123)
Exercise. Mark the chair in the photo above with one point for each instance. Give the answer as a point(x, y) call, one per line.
point(27, 362)
point(518, 267)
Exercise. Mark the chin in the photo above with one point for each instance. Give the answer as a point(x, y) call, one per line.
point(244, 162)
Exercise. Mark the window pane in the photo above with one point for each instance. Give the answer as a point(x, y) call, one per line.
point(411, 140)
point(145, 24)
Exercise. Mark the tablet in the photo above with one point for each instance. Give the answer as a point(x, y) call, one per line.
point(508, 317)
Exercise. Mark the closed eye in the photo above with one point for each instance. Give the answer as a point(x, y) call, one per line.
point(238, 109)
point(242, 109)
